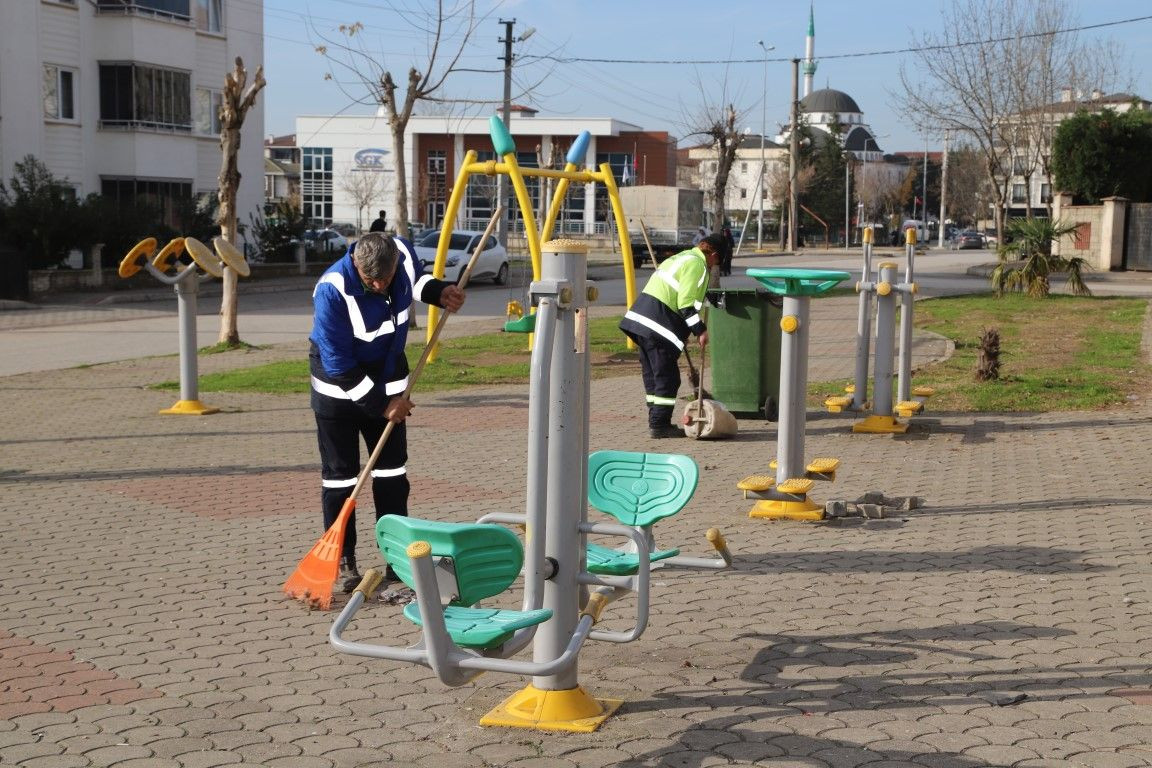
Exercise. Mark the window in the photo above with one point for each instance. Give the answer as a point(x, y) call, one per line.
point(59, 93)
point(316, 183)
point(171, 199)
point(743, 167)
point(1018, 193)
point(1019, 165)
point(208, 104)
point(1045, 193)
point(140, 96)
point(208, 15)
point(743, 193)
point(172, 9)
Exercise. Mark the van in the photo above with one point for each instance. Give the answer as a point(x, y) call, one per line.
point(918, 225)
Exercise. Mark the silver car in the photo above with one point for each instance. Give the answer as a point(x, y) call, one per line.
point(492, 263)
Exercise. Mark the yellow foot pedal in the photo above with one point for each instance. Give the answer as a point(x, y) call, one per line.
point(837, 404)
point(908, 408)
point(824, 467)
point(756, 483)
point(923, 391)
point(796, 486)
point(850, 389)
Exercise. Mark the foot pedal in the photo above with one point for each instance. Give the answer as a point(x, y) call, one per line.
point(756, 483)
point(796, 486)
point(906, 408)
point(850, 389)
point(837, 404)
point(923, 391)
point(526, 324)
point(824, 468)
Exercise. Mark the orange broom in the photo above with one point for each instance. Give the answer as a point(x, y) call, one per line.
point(317, 572)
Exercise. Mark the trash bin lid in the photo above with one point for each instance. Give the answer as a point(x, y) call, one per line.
point(786, 281)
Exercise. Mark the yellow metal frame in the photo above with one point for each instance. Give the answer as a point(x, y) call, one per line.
point(509, 167)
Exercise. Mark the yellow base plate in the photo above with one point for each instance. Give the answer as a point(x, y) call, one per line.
point(190, 408)
point(572, 710)
point(880, 425)
point(787, 510)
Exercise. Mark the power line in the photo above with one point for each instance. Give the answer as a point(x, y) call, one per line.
point(857, 55)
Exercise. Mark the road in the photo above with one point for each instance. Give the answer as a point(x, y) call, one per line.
point(85, 329)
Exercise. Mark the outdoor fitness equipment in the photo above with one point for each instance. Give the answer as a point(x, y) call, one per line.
point(786, 494)
point(186, 281)
point(567, 582)
point(888, 291)
point(505, 149)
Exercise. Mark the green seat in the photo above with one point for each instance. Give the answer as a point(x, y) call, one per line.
point(792, 281)
point(638, 489)
point(485, 560)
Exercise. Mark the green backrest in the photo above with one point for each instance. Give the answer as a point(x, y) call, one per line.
point(487, 558)
point(640, 488)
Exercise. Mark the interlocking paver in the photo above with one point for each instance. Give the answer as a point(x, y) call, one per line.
point(880, 643)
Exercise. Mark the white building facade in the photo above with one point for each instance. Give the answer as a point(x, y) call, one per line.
point(348, 166)
point(119, 97)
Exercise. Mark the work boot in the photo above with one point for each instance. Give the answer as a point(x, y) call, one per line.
point(668, 430)
point(349, 575)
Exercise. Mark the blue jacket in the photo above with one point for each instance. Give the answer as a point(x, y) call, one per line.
point(357, 351)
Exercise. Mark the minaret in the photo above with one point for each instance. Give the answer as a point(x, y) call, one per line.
point(810, 51)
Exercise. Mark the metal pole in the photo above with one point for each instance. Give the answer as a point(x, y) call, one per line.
point(505, 114)
point(186, 291)
point(763, 157)
point(846, 197)
point(793, 391)
point(793, 156)
point(943, 188)
point(924, 199)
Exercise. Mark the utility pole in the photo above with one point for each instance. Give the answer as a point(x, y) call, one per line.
point(793, 156)
point(763, 157)
point(943, 188)
point(506, 116)
point(924, 192)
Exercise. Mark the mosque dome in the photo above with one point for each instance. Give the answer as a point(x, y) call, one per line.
point(828, 100)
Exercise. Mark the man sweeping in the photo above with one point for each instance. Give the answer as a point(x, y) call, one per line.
point(359, 373)
point(660, 321)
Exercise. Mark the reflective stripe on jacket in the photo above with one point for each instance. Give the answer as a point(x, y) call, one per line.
point(670, 304)
point(358, 337)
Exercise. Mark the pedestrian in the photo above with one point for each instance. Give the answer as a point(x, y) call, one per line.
point(660, 320)
point(729, 252)
point(701, 233)
point(359, 373)
point(380, 224)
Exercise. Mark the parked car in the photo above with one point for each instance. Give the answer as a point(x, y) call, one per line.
point(491, 265)
point(967, 239)
point(325, 241)
point(344, 228)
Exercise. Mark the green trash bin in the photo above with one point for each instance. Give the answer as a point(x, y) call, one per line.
point(744, 351)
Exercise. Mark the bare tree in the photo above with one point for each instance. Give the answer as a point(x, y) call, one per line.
point(364, 187)
point(237, 99)
point(719, 127)
point(447, 29)
point(976, 88)
point(968, 193)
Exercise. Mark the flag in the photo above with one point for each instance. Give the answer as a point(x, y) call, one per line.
point(628, 174)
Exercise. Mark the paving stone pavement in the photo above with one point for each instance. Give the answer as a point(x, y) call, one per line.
point(142, 623)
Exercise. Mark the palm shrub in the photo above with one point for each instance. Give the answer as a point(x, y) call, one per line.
point(1027, 262)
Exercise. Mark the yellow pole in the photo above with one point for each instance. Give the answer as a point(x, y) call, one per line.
point(446, 237)
point(530, 231)
point(557, 202)
point(622, 230)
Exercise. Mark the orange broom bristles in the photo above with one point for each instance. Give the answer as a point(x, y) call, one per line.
point(317, 572)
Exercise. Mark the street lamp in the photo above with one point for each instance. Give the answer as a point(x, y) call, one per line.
point(763, 157)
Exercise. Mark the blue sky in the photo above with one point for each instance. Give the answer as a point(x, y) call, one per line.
point(653, 96)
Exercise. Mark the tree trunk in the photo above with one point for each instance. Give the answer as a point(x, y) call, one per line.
point(988, 361)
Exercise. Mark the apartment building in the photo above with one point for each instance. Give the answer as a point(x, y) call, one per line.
point(120, 97)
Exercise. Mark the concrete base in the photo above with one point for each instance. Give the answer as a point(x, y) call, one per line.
point(807, 510)
point(572, 710)
point(880, 425)
point(189, 408)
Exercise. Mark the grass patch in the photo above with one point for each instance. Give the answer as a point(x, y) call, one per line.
point(468, 361)
point(1057, 353)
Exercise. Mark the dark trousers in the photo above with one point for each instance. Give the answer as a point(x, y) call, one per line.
point(660, 367)
point(339, 440)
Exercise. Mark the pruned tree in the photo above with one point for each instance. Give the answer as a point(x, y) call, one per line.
point(983, 89)
point(968, 194)
point(238, 98)
point(363, 188)
point(448, 27)
point(718, 127)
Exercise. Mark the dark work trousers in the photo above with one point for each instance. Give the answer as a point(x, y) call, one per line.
point(660, 364)
point(339, 440)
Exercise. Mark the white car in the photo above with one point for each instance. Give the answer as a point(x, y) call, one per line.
point(327, 241)
point(491, 265)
